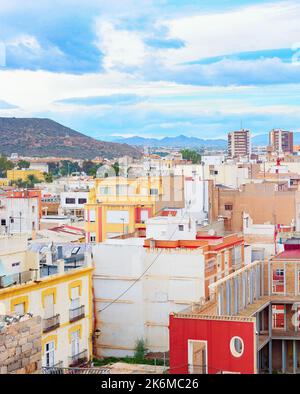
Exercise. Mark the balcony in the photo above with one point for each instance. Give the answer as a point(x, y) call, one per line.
point(16, 279)
point(78, 359)
point(51, 323)
point(76, 313)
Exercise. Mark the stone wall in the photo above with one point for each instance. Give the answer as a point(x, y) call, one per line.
point(20, 345)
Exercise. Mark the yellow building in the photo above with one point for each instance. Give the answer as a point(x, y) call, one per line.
point(4, 182)
point(15, 175)
point(62, 298)
point(120, 205)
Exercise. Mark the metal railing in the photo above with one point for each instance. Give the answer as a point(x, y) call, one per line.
point(76, 313)
point(16, 279)
point(51, 323)
point(78, 359)
point(74, 371)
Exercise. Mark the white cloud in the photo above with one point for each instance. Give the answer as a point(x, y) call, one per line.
point(250, 28)
point(121, 48)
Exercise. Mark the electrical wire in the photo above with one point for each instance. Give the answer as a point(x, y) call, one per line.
point(140, 277)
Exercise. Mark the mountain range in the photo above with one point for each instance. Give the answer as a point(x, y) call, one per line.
point(45, 137)
point(180, 141)
point(193, 142)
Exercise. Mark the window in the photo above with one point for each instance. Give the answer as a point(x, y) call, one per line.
point(33, 209)
point(121, 190)
point(3, 222)
point(33, 226)
point(75, 250)
point(75, 342)
point(70, 200)
point(82, 200)
point(49, 353)
point(144, 216)
point(181, 227)
point(49, 306)
point(20, 308)
point(75, 298)
point(92, 237)
point(15, 267)
point(278, 281)
point(228, 207)
point(92, 215)
point(153, 192)
point(105, 190)
point(236, 346)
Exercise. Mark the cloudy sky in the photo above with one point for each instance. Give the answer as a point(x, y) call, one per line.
point(152, 67)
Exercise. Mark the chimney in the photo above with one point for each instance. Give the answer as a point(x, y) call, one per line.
point(49, 257)
point(61, 266)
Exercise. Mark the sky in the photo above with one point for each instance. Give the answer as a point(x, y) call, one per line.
point(152, 68)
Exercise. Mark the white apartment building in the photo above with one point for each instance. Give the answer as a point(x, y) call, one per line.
point(19, 212)
point(165, 276)
point(72, 202)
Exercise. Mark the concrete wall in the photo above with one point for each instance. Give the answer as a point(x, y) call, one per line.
point(172, 283)
point(261, 201)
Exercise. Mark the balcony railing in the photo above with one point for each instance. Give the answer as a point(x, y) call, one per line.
point(51, 323)
point(78, 359)
point(16, 279)
point(77, 313)
point(75, 371)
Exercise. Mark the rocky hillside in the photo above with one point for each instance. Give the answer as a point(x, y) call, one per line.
point(44, 137)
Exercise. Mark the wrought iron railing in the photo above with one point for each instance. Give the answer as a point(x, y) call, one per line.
point(51, 323)
point(76, 313)
point(78, 359)
point(74, 371)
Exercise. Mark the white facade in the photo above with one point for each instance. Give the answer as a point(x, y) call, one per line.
point(19, 215)
point(213, 159)
point(171, 228)
point(196, 193)
point(73, 200)
point(173, 280)
point(43, 167)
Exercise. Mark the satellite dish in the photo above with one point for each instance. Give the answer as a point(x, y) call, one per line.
point(211, 232)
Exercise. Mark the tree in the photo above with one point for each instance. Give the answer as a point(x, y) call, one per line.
point(20, 183)
point(140, 350)
point(116, 167)
point(32, 180)
point(5, 165)
point(191, 155)
point(48, 177)
point(67, 167)
point(90, 168)
point(23, 164)
point(53, 168)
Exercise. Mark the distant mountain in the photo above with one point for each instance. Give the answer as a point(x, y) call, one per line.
point(180, 141)
point(44, 137)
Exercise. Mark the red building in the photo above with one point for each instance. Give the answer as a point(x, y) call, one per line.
point(249, 325)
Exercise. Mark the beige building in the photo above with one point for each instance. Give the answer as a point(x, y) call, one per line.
point(239, 143)
point(265, 202)
point(281, 141)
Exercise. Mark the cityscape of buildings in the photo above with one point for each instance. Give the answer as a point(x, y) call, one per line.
point(179, 262)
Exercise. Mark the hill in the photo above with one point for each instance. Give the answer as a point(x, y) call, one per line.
point(45, 137)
